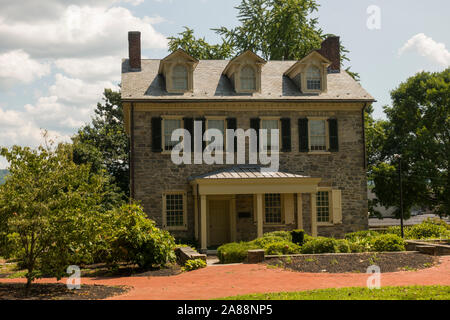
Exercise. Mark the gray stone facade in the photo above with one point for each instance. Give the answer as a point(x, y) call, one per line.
point(154, 173)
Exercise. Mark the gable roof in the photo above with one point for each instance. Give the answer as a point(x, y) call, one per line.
point(311, 55)
point(177, 53)
point(250, 54)
point(211, 84)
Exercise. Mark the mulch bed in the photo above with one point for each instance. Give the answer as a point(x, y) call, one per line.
point(58, 291)
point(356, 262)
point(101, 270)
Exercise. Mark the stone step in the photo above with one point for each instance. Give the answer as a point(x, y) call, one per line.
point(431, 250)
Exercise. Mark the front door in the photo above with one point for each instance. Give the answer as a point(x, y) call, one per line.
point(219, 222)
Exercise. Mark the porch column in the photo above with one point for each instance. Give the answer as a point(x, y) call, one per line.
point(233, 219)
point(299, 211)
point(313, 215)
point(203, 232)
point(259, 214)
point(196, 216)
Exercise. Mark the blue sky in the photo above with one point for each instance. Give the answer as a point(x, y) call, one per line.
point(57, 56)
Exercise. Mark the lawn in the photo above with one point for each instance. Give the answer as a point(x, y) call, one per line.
point(385, 293)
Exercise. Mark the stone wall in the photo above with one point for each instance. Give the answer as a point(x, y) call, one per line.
point(154, 173)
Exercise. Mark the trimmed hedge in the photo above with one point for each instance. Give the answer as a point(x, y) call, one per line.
point(320, 245)
point(234, 252)
point(282, 247)
point(388, 242)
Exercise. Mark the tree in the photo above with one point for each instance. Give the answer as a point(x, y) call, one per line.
point(49, 209)
point(418, 128)
point(275, 29)
point(104, 144)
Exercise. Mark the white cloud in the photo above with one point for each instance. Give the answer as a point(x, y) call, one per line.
point(79, 32)
point(427, 47)
point(17, 66)
point(107, 67)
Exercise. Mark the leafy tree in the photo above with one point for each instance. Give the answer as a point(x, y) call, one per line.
point(275, 29)
point(104, 144)
point(418, 129)
point(49, 209)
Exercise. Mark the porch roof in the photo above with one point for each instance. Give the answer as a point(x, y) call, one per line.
point(251, 179)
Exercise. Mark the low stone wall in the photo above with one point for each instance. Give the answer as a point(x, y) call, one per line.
point(186, 253)
point(432, 247)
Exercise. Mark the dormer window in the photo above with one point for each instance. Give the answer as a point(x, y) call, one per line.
point(248, 79)
point(180, 77)
point(244, 72)
point(178, 72)
point(313, 78)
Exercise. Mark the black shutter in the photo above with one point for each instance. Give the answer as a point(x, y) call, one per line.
point(255, 124)
point(156, 135)
point(286, 135)
point(232, 124)
point(303, 135)
point(203, 120)
point(189, 126)
point(333, 132)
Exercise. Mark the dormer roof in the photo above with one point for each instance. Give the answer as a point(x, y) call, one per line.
point(176, 57)
point(312, 56)
point(244, 58)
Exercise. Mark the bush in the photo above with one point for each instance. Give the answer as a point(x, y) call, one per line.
point(266, 240)
point(298, 236)
point(320, 245)
point(194, 264)
point(427, 230)
point(234, 252)
point(343, 246)
point(388, 242)
point(282, 247)
point(363, 234)
point(134, 238)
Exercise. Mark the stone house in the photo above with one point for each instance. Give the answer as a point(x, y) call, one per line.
point(318, 108)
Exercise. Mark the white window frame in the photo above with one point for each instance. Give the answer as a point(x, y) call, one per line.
point(164, 210)
point(279, 131)
point(315, 79)
point(255, 79)
point(281, 211)
point(330, 207)
point(327, 136)
point(163, 136)
point(186, 68)
point(218, 118)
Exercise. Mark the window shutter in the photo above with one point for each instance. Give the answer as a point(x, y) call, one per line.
point(337, 206)
point(303, 135)
point(255, 125)
point(333, 132)
point(232, 124)
point(189, 126)
point(203, 120)
point(286, 135)
point(288, 207)
point(156, 134)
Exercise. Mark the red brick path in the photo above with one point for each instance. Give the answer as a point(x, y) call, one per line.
point(230, 280)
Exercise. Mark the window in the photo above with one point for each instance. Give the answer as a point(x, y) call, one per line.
point(323, 206)
point(313, 79)
point(248, 79)
point(174, 210)
point(269, 125)
point(169, 126)
point(218, 124)
point(318, 135)
point(180, 77)
point(272, 207)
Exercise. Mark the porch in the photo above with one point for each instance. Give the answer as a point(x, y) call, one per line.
point(218, 195)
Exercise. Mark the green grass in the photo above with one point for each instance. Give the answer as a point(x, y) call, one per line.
point(385, 293)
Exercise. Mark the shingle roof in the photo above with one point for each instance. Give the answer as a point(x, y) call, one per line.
point(211, 84)
point(246, 172)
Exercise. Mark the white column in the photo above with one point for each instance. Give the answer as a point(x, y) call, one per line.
point(203, 232)
point(313, 215)
point(259, 215)
point(233, 219)
point(196, 216)
point(299, 211)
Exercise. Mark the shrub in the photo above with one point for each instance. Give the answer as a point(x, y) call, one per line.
point(194, 264)
point(282, 247)
point(363, 234)
point(388, 242)
point(298, 236)
point(266, 240)
point(234, 252)
point(320, 245)
point(135, 238)
point(343, 246)
point(427, 230)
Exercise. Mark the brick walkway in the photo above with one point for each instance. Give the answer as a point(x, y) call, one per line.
point(230, 280)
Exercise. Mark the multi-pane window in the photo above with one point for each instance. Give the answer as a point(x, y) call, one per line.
point(174, 210)
point(269, 125)
point(218, 124)
point(248, 79)
point(318, 135)
point(169, 126)
point(323, 206)
point(313, 79)
point(180, 77)
point(272, 207)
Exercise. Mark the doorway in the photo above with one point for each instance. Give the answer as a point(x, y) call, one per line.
point(219, 222)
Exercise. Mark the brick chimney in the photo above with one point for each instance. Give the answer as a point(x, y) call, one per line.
point(134, 50)
point(331, 50)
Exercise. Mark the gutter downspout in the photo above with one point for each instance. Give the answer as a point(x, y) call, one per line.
point(364, 135)
point(132, 190)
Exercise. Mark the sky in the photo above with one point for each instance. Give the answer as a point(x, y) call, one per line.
point(57, 56)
